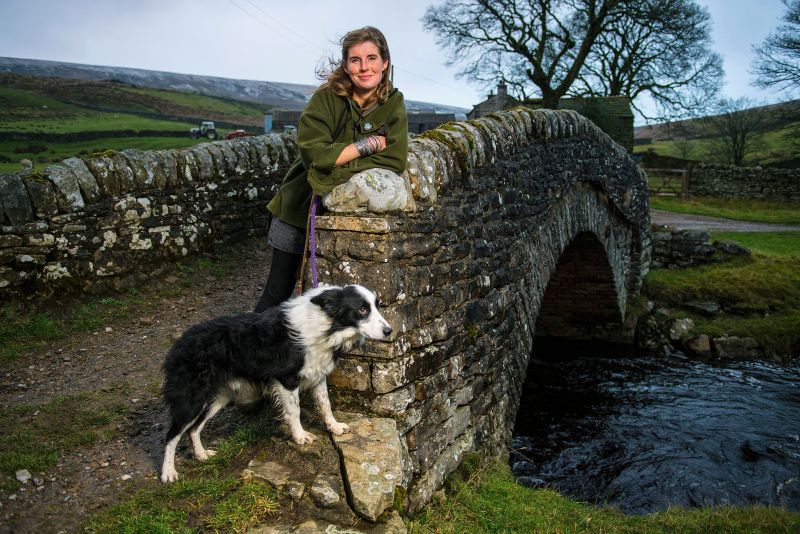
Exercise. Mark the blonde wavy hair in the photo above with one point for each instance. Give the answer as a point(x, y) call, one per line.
point(335, 73)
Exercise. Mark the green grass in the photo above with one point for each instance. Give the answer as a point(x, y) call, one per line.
point(206, 497)
point(202, 102)
point(33, 437)
point(760, 296)
point(489, 500)
point(740, 210)
point(92, 121)
point(191, 505)
point(47, 105)
point(775, 244)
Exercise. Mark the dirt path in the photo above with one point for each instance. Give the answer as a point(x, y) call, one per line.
point(682, 221)
point(121, 359)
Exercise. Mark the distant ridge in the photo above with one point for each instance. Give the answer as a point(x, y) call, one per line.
point(277, 94)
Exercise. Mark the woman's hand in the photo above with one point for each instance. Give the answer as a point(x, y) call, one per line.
point(381, 142)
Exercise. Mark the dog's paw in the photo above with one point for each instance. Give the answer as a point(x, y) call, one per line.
point(338, 428)
point(204, 454)
point(169, 476)
point(304, 438)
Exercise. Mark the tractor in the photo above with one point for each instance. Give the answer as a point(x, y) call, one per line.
point(206, 129)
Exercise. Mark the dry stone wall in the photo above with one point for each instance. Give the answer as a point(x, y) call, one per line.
point(107, 221)
point(463, 277)
point(729, 181)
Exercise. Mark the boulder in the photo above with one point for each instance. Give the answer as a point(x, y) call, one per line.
point(680, 328)
point(700, 345)
point(736, 348)
point(373, 190)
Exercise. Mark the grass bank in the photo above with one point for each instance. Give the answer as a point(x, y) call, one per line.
point(488, 500)
point(759, 297)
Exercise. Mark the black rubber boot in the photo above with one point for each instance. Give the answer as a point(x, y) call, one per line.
point(281, 280)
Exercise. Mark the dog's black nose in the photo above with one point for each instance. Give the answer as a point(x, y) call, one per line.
point(387, 331)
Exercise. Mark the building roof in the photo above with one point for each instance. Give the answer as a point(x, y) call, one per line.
point(619, 106)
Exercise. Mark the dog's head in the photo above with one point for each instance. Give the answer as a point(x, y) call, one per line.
point(352, 309)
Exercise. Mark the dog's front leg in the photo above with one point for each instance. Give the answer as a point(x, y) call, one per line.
point(324, 405)
point(290, 404)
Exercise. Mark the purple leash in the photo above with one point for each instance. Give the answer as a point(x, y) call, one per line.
point(312, 241)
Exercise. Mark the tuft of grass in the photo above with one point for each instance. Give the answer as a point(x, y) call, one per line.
point(33, 437)
point(489, 500)
point(243, 508)
point(762, 211)
point(19, 330)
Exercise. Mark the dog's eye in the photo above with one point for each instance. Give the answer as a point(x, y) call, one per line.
point(364, 310)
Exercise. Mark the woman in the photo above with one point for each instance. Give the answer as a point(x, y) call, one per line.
point(355, 121)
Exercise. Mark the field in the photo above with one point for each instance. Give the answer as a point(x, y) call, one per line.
point(47, 120)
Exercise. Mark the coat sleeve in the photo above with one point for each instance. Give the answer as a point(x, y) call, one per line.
point(315, 130)
point(394, 157)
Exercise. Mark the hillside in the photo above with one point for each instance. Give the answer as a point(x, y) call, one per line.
point(776, 143)
point(46, 120)
point(27, 102)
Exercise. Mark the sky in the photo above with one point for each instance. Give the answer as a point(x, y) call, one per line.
point(284, 41)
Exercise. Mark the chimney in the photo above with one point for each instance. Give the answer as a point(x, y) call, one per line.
point(501, 89)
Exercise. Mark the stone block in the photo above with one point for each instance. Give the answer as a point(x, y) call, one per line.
point(41, 193)
point(85, 178)
point(372, 463)
point(351, 373)
point(14, 199)
point(65, 185)
point(700, 345)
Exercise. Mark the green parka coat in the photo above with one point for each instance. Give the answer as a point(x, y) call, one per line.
point(315, 168)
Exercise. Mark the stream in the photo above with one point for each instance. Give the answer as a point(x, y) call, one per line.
point(643, 433)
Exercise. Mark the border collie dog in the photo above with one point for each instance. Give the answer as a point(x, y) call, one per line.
point(285, 349)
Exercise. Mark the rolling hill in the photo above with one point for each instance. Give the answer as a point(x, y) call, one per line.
point(273, 94)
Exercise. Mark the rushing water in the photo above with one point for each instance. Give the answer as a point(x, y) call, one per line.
point(644, 433)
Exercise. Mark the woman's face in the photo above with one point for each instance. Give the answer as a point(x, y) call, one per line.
point(365, 68)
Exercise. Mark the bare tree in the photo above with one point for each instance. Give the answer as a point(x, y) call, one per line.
point(734, 127)
point(660, 49)
point(777, 62)
point(546, 41)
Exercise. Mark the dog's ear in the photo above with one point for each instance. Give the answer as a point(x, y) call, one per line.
point(329, 300)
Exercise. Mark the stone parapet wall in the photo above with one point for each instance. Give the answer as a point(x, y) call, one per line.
point(729, 181)
point(106, 221)
point(463, 277)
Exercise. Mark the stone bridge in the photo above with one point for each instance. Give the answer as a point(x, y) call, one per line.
point(523, 223)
